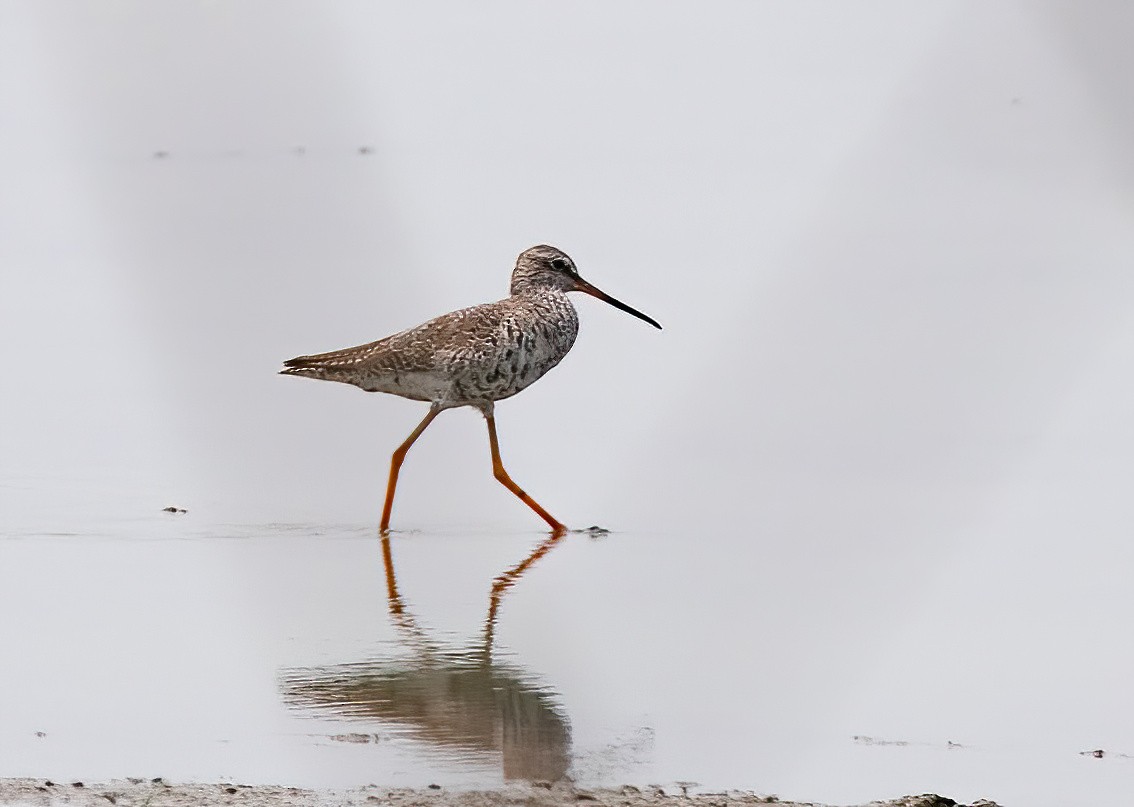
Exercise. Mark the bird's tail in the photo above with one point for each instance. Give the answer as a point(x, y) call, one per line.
point(338, 365)
point(322, 367)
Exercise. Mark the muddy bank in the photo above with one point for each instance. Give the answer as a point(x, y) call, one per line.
point(159, 793)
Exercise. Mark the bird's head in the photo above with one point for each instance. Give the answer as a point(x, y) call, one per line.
point(543, 267)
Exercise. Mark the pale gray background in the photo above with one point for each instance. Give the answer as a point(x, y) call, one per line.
point(892, 246)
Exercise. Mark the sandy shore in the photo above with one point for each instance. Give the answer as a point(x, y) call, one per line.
point(159, 793)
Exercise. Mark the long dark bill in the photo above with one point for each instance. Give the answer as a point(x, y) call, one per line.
point(586, 287)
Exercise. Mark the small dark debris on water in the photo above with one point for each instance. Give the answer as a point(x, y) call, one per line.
point(172, 509)
point(161, 155)
point(1097, 753)
point(863, 739)
point(366, 149)
point(435, 787)
point(595, 530)
point(353, 737)
point(41, 734)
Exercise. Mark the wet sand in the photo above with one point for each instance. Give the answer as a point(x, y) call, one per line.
point(159, 793)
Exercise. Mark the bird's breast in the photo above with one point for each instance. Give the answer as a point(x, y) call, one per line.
point(533, 335)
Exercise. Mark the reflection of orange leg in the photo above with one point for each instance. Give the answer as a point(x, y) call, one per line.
point(509, 578)
point(396, 463)
point(395, 600)
point(400, 616)
point(502, 475)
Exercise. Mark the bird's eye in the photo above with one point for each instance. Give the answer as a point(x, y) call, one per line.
point(560, 265)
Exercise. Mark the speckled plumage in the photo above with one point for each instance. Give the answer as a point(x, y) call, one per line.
point(471, 357)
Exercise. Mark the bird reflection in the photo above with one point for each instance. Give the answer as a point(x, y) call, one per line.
point(460, 701)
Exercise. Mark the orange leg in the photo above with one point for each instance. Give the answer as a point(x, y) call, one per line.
point(502, 476)
point(396, 464)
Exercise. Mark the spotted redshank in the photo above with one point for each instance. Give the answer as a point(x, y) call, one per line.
point(471, 357)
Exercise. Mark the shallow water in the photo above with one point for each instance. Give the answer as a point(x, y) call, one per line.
point(164, 645)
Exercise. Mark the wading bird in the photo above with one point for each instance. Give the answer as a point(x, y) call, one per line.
point(471, 357)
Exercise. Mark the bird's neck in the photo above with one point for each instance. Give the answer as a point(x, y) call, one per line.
point(523, 287)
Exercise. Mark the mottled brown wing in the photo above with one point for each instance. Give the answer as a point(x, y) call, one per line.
point(444, 339)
